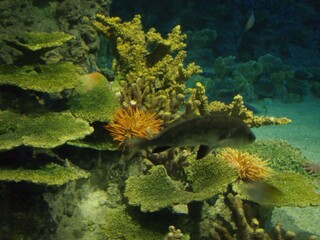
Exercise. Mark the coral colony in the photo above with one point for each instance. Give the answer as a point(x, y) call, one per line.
point(58, 110)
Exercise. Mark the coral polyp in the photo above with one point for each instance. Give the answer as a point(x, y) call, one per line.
point(250, 167)
point(133, 122)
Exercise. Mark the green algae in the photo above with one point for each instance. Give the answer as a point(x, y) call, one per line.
point(48, 130)
point(52, 78)
point(50, 174)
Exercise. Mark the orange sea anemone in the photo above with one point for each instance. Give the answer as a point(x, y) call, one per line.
point(133, 122)
point(250, 167)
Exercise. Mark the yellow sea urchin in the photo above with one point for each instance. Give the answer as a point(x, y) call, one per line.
point(250, 167)
point(133, 122)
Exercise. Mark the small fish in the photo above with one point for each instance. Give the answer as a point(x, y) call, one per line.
point(210, 132)
point(250, 21)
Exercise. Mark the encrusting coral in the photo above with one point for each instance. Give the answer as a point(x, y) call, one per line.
point(132, 122)
point(150, 68)
point(250, 167)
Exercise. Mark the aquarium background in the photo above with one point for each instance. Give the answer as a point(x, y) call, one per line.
point(65, 72)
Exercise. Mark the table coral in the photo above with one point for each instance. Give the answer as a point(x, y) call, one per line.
point(150, 68)
point(50, 174)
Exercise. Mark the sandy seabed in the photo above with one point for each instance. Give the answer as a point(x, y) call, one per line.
point(303, 132)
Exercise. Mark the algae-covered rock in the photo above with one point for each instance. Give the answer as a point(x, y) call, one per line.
point(120, 225)
point(94, 100)
point(43, 131)
point(50, 174)
point(157, 190)
point(52, 78)
point(292, 190)
point(41, 40)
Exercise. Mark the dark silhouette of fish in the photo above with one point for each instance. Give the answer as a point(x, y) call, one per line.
point(210, 132)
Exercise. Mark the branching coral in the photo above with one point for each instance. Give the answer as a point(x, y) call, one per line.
point(132, 122)
point(250, 167)
point(237, 108)
point(240, 227)
point(151, 68)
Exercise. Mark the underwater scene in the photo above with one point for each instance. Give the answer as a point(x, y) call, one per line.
point(159, 120)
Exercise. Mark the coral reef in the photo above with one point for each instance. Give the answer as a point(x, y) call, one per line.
point(70, 17)
point(237, 108)
point(132, 122)
point(268, 77)
point(250, 167)
point(150, 68)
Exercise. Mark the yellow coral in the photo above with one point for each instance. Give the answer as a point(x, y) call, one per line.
point(237, 108)
point(250, 167)
point(132, 122)
point(150, 67)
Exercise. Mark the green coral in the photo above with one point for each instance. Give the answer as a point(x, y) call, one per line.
point(150, 68)
point(280, 154)
point(43, 131)
point(237, 108)
point(50, 174)
point(294, 190)
point(120, 225)
point(52, 78)
point(157, 190)
point(39, 40)
point(210, 176)
point(96, 104)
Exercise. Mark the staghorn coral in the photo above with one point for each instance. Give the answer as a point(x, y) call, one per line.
point(250, 167)
point(133, 122)
point(150, 68)
point(240, 225)
point(238, 109)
